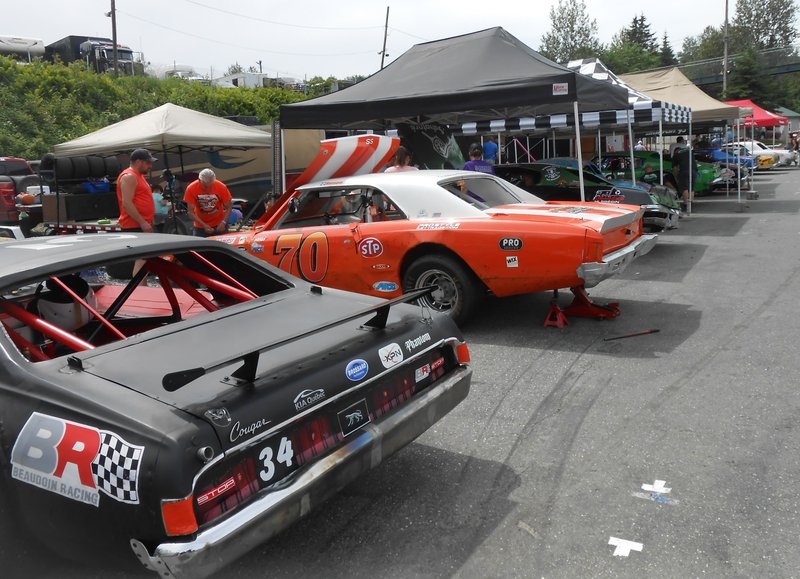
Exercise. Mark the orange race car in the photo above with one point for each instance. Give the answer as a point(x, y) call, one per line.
point(467, 233)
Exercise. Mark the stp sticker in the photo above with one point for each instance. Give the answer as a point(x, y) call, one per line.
point(370, 247)
point(512, 261)
point(511, 244)
point(390, 355)
point(76, 461)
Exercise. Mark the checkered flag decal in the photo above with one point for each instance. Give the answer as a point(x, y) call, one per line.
point(116, 468)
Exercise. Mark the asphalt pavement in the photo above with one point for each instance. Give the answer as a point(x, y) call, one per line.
point(665, 454)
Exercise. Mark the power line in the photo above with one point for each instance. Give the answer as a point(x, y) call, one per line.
point(217, 41)
point(251, 17)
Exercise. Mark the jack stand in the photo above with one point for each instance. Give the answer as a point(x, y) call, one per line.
point(582, 306)
point(555, 318)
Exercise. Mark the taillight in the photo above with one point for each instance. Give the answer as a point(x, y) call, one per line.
point(179, 516)
point(227, 492)
point(462, 353)
point(7, 196)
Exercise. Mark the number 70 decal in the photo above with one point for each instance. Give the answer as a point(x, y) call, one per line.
point(306, 256)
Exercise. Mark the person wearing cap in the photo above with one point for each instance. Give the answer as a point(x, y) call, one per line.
point(137, 208)
point(476, 162)
point(639, 146)
point(209, 204)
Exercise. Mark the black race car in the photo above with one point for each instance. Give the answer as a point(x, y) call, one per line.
point(558, 181)
point(175, 396)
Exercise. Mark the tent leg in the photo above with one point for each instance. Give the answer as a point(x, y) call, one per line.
point(661, 149)
point(630, 145)
point(580, 152)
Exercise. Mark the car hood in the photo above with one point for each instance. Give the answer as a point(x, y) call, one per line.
point(317, 361)
point(601, 217)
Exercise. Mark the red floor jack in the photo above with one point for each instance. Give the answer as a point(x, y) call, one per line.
point(582, 306)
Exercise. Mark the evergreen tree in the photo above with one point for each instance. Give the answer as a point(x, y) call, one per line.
point(639, 33)
point(747, 81)
point(572, 34)
point(666, 55)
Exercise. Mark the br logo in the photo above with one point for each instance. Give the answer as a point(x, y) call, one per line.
point(75, 460)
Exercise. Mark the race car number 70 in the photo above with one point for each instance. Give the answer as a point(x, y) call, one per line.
point(309, 254)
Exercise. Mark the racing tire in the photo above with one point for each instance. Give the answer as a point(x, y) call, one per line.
point(459, 290)
point(63, 168)
point(112, 168)
point(174, 227)
point(97, 167)
point(80, 167)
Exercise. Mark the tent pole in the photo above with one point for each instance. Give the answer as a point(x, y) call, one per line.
point(661, 149)
point(691, 177)
point(553, 148)
point(630, 145)
point(738, 162)
point(283, 162)
point(499, 150)
point(599, 149)
point(580, 153)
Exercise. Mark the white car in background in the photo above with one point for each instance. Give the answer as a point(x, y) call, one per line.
point(765, 158)
point(785, 156)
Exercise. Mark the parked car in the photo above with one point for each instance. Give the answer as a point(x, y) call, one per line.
point(197, 408)
point(765, 159)
point(785, 156)
point(725, 156)
point(560, 182)
point(710, 176)
point(467, 233)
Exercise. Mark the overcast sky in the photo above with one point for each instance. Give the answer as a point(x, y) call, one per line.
point(305, 38)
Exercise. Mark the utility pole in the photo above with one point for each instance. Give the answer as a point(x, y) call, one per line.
point(385, 32)
point(114, 35)
point(725, 55)
point(260, 70)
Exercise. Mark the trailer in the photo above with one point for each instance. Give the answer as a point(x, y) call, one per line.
point(21, 48)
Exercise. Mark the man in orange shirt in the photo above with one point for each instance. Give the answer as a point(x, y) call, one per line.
point(136, 206)
point(209, 204)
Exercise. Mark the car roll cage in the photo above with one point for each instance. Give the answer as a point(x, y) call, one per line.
point(167, 272)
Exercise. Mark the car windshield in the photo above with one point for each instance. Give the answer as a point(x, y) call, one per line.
point(486, 192)
point(339, 206)
point(104, 302)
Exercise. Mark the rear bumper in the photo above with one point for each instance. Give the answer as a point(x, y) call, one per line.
point(593, 273)
point(659, 217)
point(215, 547)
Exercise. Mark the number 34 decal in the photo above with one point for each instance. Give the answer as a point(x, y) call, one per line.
point(304, 255)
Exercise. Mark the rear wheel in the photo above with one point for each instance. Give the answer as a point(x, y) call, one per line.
point(457, 289)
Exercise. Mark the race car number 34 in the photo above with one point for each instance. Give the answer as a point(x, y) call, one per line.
point(276, 458)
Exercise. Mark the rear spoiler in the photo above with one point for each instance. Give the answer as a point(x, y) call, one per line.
point(246, 373)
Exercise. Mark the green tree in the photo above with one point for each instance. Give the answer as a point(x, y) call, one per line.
point(747, 81)
point(767, 23)
point(235, 68)
point(572, 33)
point(665, 55)
point(623, 57)
point(638, 32)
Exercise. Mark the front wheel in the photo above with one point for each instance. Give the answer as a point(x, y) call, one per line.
point(457, 289)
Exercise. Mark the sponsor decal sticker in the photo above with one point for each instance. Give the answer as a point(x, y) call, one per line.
point(76, 461)
point(552, 173)
point(511, 244)
point(238, 431)
point(390, 355)
point(609, 196)
point(437, 363)
point(560, 88)
point(354, 417)
point(421, 373)
point(219, 416)
point(370, 247)
point(308, 398)
point(257, 248)
point(357, 370)
point(412, 345)
point(512, 261)
point(385, 286)
point(381, 266)
point(435, 226)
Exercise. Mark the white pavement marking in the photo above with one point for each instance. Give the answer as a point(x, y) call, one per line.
point(623, 547)
point(527, 528)
point(656, 487)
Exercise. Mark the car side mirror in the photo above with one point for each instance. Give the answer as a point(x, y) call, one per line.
point(294, 205)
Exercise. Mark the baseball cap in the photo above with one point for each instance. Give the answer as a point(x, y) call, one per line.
point(142, 155)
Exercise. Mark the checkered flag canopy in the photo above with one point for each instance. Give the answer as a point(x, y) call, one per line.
point(116, 468)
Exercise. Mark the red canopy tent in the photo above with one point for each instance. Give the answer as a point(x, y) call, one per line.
point(761, 117)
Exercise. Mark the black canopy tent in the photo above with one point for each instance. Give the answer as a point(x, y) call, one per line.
point(480, 76)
